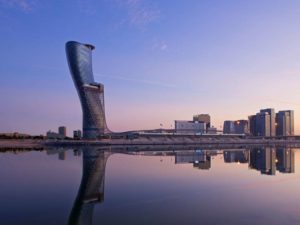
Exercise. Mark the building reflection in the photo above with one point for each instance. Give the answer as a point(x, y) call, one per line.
point(264, 160)
point(201, 159)
point(285, 162)
point(91, 190)
point(268, 160)
point(236, 156)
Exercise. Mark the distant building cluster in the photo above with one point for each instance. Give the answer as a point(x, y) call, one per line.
point(265, 123)
point(268, 123)
point(200, 124)
point(62, 134)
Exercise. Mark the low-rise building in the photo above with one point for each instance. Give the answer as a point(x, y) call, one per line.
point(204, 118)
point(77, 134)
point(189, 127)
point(211, 130)
point(53, 135)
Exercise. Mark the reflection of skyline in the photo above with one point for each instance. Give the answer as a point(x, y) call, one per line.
point(91, 191)
point(237, 156)
point(285, 160)
point(266, 160)
point(201, 159)
point(263, 160)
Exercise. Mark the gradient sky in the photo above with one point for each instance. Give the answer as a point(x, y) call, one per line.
point(159, 60)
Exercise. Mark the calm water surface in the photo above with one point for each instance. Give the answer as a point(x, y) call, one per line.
point(92, 186)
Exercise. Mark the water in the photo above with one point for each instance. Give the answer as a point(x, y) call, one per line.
point(153, 186)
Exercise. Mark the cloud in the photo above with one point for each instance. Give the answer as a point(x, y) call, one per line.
point(23, 5)
point(88, 7)
point(159, 44)
point(139, 12)
point(163, 47)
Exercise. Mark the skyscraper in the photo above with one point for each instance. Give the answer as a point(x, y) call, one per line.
point(285, 123)
point(228, 127)
point(263, 124)
point(91, 94)
point(272, 127)
point(62, 131)
point(252, 125)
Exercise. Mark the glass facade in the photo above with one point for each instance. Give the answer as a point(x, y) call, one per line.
point(91, 94)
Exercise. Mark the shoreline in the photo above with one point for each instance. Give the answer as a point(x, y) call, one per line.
point(139, 142)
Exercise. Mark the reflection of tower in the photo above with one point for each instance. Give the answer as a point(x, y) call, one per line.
point(91, 94)
point(91, 189)
point(285, 160)
point(263, 159)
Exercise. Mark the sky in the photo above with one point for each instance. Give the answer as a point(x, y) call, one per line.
point(159, 61)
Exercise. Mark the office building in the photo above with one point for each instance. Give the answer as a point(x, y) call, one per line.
point(91, 94)
point(252, 125)
point(236, 127)
point(228, 127)
point(62, 131)
point(271, 124)
point(189, 127)
point(263, 124)
point(204, 118)
point(285, 123)
point(241, 126)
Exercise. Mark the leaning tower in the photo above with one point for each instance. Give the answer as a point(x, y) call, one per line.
point(91, 94)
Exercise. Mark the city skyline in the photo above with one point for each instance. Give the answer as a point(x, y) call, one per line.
point(233, 59)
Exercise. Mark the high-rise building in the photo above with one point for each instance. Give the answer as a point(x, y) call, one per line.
point(263, 124)
point(62, 131)
point(91, 94)
point(272, 127)
point(236, 127)
point(241, 127)
point(285, 123)
point(205, 118)
point(228, 127)
point(252, 125)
